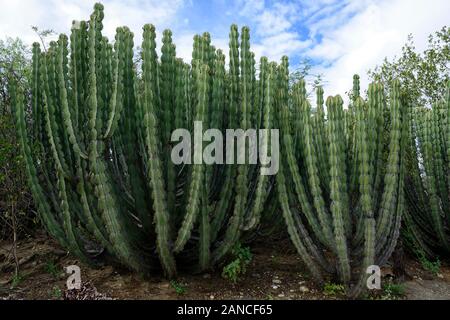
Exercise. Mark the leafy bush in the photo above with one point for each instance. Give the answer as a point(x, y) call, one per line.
point(393, 290)
point(16, 204)
point(333, 289)
point(241, 258)
point(432, 266)
point(179, 288)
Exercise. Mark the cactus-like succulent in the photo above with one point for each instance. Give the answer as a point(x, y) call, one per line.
point(427, 219)
point(342, 210)
point(104, 173)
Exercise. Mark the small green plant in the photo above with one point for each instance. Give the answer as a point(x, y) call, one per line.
point(275, 259)
point(179, 288)
point(16, 280)
point(232, 270)
point(432, 266)
point(241, 258)
point(52, 269)
point(56, 293)
point(393, 291)
point(333, 289)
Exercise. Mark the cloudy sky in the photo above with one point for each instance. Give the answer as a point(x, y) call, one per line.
point(341, 37)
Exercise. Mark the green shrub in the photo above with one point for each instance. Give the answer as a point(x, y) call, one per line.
point(179, 288)
point(393, 290)
point(16, 204)
point(241, 258)
point(332, 289)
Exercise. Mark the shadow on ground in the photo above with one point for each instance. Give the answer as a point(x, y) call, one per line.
point(276, 272)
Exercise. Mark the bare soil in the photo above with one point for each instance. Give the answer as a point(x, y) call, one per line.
point(276, 272)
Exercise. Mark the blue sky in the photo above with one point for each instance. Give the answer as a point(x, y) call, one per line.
point(341, 37)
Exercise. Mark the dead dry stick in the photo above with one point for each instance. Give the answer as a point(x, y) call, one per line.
point(14, 249)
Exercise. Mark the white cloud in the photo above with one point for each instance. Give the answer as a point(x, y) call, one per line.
point(283, 43)
point(250, 7)
point(272, 33)
point(17, 17)
point(277, 19)
point(379, 29)
point(345, 36)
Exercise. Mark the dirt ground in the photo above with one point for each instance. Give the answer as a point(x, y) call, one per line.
point(276, 272)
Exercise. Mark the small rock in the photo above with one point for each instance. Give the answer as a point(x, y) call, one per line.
point(281, 295)
point(274, 287)
point(304, 289)
point(292, 290)
point(440, 275)
point(277, 281)
point(211, 297)
point(206, 276)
